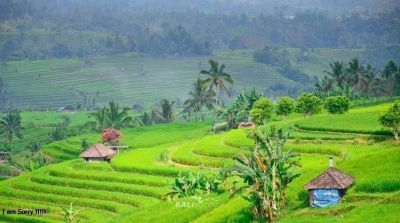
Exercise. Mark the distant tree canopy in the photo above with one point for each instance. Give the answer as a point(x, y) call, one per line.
point(354, 80)
point(61, 28)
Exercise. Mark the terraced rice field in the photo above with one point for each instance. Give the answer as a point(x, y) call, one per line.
point(135, 78)
point(130, 187)
point(37, 125)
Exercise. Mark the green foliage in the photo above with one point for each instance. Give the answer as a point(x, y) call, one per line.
point(84, 144)
point(356, 80)
point(35, 146)
point(4, 146)
point(337, 104)
point(267, 173)
point(216, 80)
point(234, 114)
point(190, 184)
point(146, 119)
point(58, 133)
point(308, 104)
point(10, 125)
point(167, 112)
point(71, 215)
point(272, 56)
point(285, 106)
point(112, 117)
point(163, 157)
point(261, 111)
point(391, 119)
point(199, 97)
point(239, 110)
point(382, 186)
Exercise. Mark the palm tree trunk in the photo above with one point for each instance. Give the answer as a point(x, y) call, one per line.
point(10, 140)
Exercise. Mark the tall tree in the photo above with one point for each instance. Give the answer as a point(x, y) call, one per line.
point(391, 119)
point(389, 77)
point(199, 97)
point(267, 173)
point(10, 125)
point(112, 117)
point(337, 72)
point(100, 118)
point(167, 112)
point(323, 87)
point(117, 118)
point(216, 79)
point(354, 72)
point(370, 83)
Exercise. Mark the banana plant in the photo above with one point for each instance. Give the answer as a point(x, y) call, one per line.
point(267, 173)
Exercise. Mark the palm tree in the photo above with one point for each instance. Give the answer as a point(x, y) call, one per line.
point(337, 72)
point(116, 118)
point(112, 117)
point(389, 77)
point(324, 87)
point(216, 79)
point(199, 97)
point(167, 113)
point(101, 118)
point(370, 84)
point(354, 73)
point(10, 125)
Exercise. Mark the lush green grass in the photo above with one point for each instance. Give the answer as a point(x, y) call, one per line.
point(359, 120)
point(129, 188)
point(139, 137)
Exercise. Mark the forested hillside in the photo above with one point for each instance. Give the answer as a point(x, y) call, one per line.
point(59, 29)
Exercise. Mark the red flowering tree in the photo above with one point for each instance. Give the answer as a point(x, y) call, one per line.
point(111, 136)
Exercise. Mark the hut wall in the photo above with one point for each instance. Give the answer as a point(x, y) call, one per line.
point(324, 197)
point(94, 159)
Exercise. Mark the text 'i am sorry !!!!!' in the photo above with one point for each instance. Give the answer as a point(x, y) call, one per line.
point(23, 211)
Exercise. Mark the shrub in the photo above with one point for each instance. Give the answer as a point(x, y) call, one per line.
point(163, 157)
point(261, 111)
point(284, 106)
point(193, 184)
point(391, 119)
point(111, 136)
point(309, 104)
point(337, 104)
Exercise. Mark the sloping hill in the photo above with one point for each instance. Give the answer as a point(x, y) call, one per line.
point(137, 79)
point(130, 187)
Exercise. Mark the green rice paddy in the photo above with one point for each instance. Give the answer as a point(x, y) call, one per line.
point(130, 187)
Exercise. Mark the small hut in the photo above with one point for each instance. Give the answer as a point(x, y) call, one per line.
point(97, 153)
point(246, 125)
point(118, 148)
point(4, 156)
point(328, 188)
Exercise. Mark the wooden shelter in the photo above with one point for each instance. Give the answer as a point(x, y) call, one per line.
point(328, 188)
point(118, 148)
point(4, 156)
point(246, 125)
point(97, 153)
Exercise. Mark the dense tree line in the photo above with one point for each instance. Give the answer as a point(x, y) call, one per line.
point(82, 28)
point(355, 80)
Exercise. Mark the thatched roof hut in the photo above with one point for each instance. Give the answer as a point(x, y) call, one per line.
point(97, 152)
point(332, 178)
point(328, 188)
point(246, 125)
